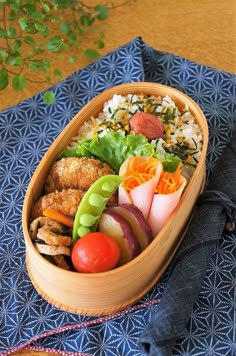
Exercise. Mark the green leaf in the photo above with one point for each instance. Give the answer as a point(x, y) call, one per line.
point(58, 73)
point(3, 53)
point(38, 50)
point(3, 78)
point(19, 61)
point(15, 9)
point(49, 97)
point(84, 20)
point(54, 44)
point(3, 33)
point(91, 54)
point(66, 46)
point(32, 2)
point(10, 60)
point(14, 60)
point(15, 45)
point(45, 65)
point(29, 40)
point(32, 66)
point(43, 29)
point(72, 59)
point(100, 44)
point(72, 38)
point(11, 32)
point(27, 25)
point(103, 12)
point(63, 4)
point(65, 27)
point(56, 19)
point(19, 82)
point(170, 162)
point(41, 65)
point(45, 8)
point(29, 9)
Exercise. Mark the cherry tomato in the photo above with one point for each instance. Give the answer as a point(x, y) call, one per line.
point(95, 252)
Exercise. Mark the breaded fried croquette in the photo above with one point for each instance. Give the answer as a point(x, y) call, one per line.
point(65, 202)
point(76, 173)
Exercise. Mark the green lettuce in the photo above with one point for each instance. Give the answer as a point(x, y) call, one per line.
point(170, 162)
point(114, 147)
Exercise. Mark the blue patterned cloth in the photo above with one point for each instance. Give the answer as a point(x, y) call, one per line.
point(26, 132)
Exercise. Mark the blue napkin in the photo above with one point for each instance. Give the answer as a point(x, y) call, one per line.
point(215, 211)
point(26, 132)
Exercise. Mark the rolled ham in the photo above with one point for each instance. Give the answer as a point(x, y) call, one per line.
point(142, 195)
point(162, 207)
point(156, 208)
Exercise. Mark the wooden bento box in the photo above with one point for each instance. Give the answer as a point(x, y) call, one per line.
point(112, 291)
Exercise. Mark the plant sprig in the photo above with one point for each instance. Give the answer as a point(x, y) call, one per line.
point(33, 30)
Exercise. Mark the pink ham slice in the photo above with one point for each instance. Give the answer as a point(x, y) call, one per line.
point(142, 195)
point(123, 196)
point(162, 207)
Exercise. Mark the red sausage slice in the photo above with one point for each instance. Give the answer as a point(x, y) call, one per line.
point(146, 124)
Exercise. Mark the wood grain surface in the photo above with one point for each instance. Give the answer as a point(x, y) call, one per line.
point(203, 31)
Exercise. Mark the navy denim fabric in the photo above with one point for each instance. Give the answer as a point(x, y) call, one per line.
point(187, 270)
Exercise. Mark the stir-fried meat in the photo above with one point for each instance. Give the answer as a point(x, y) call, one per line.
point(51, 238)
point(74, 172)
point(65, 202)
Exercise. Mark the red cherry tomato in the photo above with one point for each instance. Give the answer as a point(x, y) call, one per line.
point(95, 252)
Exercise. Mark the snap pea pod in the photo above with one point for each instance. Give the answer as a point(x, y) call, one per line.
point(93, 204)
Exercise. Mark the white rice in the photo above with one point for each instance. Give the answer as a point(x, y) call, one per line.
point(182, 133)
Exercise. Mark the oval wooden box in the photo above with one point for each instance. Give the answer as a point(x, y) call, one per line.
point(108, 292)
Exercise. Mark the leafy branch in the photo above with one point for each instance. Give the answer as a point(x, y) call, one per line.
point(31, 31)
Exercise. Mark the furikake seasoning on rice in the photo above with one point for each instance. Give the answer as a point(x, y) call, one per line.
point(181, 136)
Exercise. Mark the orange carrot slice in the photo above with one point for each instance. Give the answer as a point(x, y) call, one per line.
point(139, 170)
point(169, 182)
point(57, 216)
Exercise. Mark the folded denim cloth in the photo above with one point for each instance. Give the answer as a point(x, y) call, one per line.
point(26, 132)
point(216, 209)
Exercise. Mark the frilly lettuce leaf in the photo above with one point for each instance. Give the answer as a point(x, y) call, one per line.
point(114, 147)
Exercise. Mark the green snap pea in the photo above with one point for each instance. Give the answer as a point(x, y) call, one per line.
point(83, 230)
point(87, 220)
point(96, 199)
point(93, 204)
